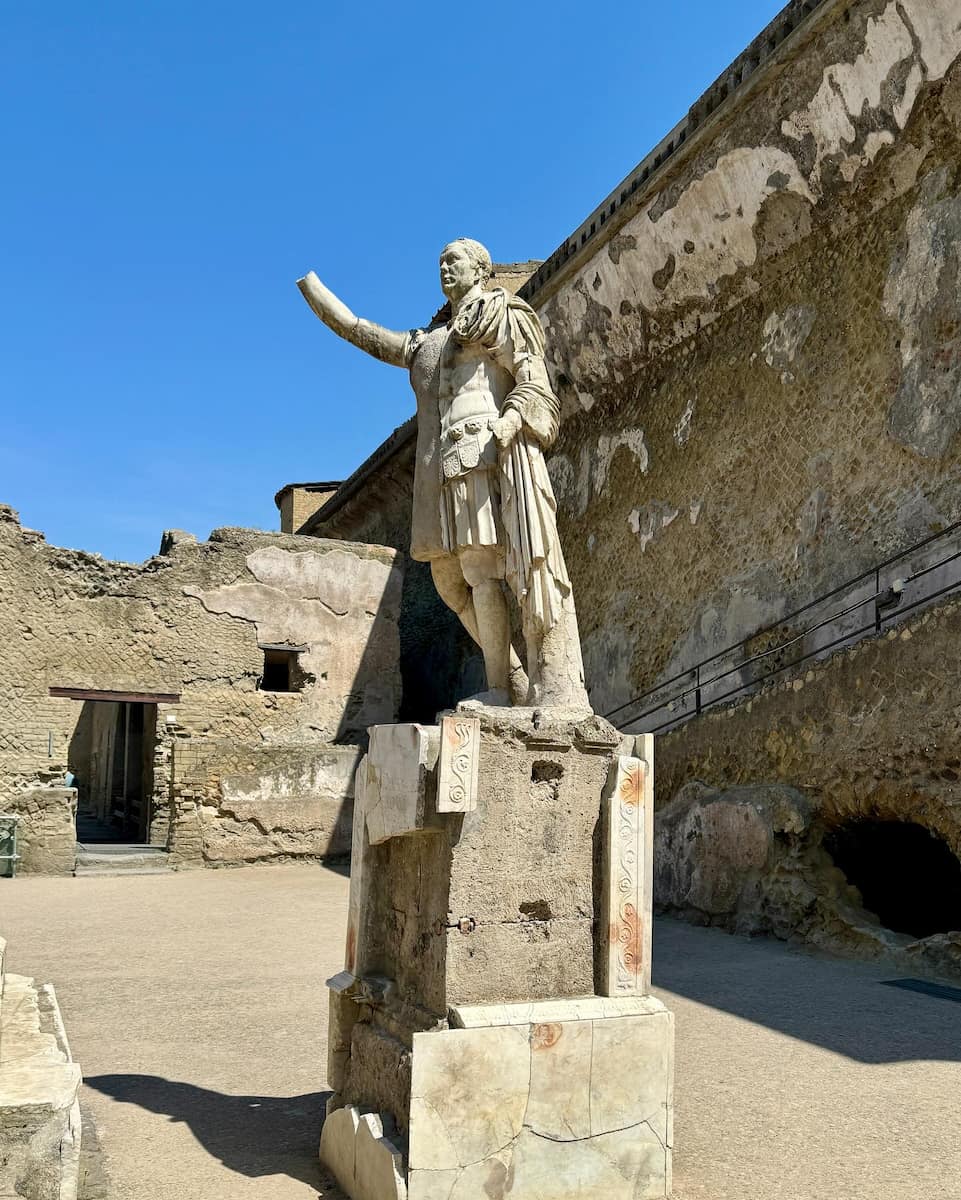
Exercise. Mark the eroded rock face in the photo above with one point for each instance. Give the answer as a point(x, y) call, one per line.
point(751, 860)
point(715, 852)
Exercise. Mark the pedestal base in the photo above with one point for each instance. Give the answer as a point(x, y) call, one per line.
point(554, 1100)
point(492, 1037)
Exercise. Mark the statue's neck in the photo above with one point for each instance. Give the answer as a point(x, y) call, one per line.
point(467, 298)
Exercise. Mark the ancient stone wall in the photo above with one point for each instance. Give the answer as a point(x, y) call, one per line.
point(192, 621)
point(760, 367)
point(758, 353)
point(46, 831)
point(872, 734)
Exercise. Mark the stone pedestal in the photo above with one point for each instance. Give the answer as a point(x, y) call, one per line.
point(492, 1032)
point(39, 1089)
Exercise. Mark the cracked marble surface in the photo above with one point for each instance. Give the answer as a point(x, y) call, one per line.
point(576, 1100)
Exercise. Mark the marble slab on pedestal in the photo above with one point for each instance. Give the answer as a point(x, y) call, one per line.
point(559, 1100)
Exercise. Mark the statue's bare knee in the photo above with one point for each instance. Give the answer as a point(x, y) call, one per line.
point(481, 565)
point(450, 583)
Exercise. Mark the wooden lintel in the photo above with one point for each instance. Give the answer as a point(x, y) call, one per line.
point(71, 693)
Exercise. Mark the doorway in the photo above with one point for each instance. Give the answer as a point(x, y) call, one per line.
point(114, 771)
point(111, 761)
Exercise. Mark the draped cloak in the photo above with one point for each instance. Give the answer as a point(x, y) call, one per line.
point(509, 331)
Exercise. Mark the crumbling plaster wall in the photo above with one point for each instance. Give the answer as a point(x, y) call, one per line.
point(760, 363)
point(189, 620)
point(760, 370)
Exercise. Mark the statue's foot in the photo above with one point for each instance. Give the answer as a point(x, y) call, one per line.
point(492, 698)
point(561, 694)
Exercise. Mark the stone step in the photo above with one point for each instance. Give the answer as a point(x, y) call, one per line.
point(93, 859)
point(26, 1029)
point(91, 872)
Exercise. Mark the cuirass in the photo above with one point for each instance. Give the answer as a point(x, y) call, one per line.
point(471, 385)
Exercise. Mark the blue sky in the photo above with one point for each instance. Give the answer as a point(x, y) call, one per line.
point(171, 168)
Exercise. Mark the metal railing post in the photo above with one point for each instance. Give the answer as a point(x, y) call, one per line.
point(877, 600)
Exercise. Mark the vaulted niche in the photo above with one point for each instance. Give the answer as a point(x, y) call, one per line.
point(907, 875)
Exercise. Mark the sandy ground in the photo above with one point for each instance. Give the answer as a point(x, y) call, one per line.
point(195, 1005)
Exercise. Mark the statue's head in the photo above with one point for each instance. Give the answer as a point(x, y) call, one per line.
point(464, 263)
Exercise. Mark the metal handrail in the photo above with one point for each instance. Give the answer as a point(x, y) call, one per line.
point(877, 598)
point(13, 820)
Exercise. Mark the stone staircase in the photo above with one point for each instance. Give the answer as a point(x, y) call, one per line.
point(39, 1086)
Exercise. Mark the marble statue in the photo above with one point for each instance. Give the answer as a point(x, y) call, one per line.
point(484, 510)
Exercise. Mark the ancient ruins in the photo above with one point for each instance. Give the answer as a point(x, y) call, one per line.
point(736, 443)
point(515, 1048)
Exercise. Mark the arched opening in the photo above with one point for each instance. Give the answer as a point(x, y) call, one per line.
point(907, 875)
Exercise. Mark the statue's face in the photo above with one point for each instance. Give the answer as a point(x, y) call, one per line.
point(458, 273)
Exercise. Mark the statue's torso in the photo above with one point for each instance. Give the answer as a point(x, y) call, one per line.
point(460, 390)
point(471, 390)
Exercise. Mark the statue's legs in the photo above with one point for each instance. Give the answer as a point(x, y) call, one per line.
point(453, 589)
point(554, 660)
point(483, 569)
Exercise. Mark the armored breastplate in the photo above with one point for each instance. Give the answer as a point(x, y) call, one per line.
point(472, 390)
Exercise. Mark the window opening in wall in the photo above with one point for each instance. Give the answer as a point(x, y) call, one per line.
point(282, 671)
point(907, 875)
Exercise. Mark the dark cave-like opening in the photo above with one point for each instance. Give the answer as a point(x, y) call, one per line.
point(907, 875)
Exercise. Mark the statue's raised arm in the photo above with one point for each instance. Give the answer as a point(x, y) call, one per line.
point(388, 345)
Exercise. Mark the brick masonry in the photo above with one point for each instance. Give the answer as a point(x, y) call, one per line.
point(190, 621)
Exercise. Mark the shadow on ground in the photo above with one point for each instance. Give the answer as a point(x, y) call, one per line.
point(252, 1135)
point(839, 1005)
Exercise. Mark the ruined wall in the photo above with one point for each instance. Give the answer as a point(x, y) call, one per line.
point(242, 802)
point(189, 620)
point(46, 832)
point(439, 662)
point(760, 367)
point(872, 734)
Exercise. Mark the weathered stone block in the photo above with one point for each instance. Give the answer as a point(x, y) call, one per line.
point(365, 1162)
point(47, 830)
point(39, 1085)
point(467, 1016)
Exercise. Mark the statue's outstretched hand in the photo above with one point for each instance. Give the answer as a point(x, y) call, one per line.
point(331, 310)
point(386, 344)
point(507, 427)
